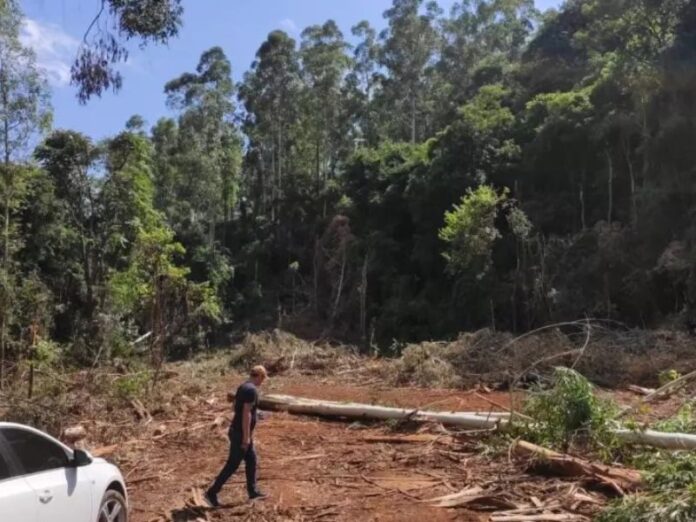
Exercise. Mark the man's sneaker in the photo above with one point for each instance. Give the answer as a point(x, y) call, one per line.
point(257, 495)
point(211, 499)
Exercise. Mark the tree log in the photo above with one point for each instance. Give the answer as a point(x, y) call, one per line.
point(467, 420)
point(543, 517)
point(658, 439)
point(621, 480)
point(352, 410)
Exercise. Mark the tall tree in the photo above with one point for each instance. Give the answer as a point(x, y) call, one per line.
point(209, 144)
point(480, 39)
point(409, 48)
point(24, 113)
point(68, 158)
point(324, 67)
point(361, 83)
point(271, 95)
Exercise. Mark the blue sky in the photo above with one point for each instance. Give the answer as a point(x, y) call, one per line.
point(55, 27)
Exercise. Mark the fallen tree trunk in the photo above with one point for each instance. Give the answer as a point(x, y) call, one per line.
point(663, 391)
point(621, 480)
point(658, 439)
point(467, 420)
point(550, 517)
point(352, 410)
point(640, 390)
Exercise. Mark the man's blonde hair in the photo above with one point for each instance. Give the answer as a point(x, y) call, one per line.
point(258, 371)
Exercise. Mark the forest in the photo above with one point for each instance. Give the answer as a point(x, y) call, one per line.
point(489, 166)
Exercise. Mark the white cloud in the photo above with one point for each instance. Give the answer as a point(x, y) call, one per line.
point(288, 25)
point(55, 49)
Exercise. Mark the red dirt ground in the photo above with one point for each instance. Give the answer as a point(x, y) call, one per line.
point(311, 469)
point(316, 469)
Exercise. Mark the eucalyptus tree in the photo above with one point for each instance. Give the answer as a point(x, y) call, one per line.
point(24, 113)
point(104, 42)
point(271, 95)
point(409, 49)
point(325, 64)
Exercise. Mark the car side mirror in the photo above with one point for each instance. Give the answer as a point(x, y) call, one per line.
point(80, 459)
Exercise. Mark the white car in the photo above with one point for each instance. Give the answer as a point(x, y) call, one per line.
point(43, 480)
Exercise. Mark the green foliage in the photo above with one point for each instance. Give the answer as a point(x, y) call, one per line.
point(668, 470)
point(24, 93)
point(94, 70)
point(654, 508)
point(569, 412)
point(486, 113)
point(671, 480)
point(668, 376)
point(557, 149)
point(470, 231)
point(683, 422)
point(132, 386)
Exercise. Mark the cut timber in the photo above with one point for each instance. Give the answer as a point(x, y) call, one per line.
point(662, 392)
point(402, 439)
point(639, 390)
point(353, 410)
point(560, 517)
point(472, 495)
point(468, 420)
point(671, 387)
point(104, 451)
point(620, 480)
point(466, 496)
point(658, 439)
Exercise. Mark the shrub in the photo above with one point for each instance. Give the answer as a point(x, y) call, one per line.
point(569, 412)
point(682, 422)
point(652, 508)
point(132, 386)
point(668, 376)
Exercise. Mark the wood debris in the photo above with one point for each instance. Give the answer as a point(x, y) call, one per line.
point(621, 480)
point(471, 495)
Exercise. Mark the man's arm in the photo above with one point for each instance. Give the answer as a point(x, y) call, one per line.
point(246, 425)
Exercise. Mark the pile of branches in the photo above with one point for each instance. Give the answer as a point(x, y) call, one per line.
point(281, 352)
point(605, 352)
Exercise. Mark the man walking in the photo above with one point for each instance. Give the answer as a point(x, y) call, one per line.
point(241, 438)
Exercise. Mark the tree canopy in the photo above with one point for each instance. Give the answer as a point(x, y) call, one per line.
point(490, 166)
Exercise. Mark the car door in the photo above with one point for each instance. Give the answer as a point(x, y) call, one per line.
point(18, 502)
point(63, 492)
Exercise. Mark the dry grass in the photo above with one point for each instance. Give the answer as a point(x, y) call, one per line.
point(423, 365)
point(282, 352)
point(611, 357)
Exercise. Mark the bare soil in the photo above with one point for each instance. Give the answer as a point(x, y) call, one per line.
point(318, 469)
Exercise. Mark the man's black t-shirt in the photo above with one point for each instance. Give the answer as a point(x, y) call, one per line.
point(246, 393)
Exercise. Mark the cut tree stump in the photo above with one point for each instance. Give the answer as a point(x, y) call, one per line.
point(620, 480)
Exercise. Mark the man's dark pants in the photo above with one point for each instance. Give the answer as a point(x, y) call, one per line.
point(237, 454)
